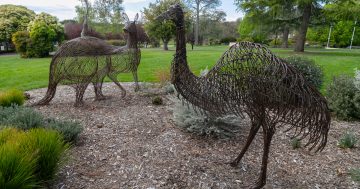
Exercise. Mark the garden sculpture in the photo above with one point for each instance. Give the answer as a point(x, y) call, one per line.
point(249, 79)
point(87, 59)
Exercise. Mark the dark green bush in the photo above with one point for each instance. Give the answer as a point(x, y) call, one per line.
point(312, 72)
point(116, 42)
point(227, 40)
point(21, 40)
point(355, 175)
point(296, 143)
point(157, 101)
point(344, 98)
point(348, 140)
point(11, 97)
point(189, 119)
point(26, 118)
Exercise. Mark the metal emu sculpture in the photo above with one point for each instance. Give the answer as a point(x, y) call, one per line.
point(86, 60)
point(249, 79)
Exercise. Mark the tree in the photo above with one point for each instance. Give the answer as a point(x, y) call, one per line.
point(13, 18)
point(104, 15)
point(211, 26)
point(273, 16)
point(44, 31)
point(163, 31)
point(201, 6)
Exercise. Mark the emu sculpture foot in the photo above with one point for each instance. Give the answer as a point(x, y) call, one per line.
point(233, 163)
point(137, 88)
point(123, 94)
point(258, 185)
point(100, 98)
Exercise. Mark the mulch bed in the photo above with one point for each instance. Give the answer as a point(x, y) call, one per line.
point(131, 143)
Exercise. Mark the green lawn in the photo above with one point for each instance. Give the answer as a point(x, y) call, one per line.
point(26, 74)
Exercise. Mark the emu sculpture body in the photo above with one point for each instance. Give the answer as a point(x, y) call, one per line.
point(86, 60)
point(249, 79)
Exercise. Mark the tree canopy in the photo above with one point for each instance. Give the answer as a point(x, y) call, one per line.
point(163, 31)
point(104, 15)
point(201, 6)
point(13, 18)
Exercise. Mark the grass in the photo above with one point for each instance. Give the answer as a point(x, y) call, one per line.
point(26, 74)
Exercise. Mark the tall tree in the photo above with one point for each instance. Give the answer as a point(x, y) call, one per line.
point(201, 6)
point(163, 31)
point(105, 15)
point(274, 16)
point(45, 30)
point(13, 18)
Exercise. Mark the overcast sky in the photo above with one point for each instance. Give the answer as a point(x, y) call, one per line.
point(65, 9)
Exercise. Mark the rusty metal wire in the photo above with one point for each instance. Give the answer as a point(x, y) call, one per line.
point(86, 60)
point(249, 79)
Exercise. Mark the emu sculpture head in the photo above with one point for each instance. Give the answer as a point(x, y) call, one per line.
point(172, 14)
point(130, 26)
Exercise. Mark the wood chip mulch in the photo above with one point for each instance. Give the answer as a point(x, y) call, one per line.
point(131, 143)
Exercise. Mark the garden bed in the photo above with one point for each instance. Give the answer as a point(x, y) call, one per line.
point(131, 143)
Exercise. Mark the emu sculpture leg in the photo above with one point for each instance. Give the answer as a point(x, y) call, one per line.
point(268, 134)
point(137, 87)
point(80, 90)
point(114, 79)
point(254, 129)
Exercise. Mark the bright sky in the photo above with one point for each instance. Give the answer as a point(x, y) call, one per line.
point(65, 9)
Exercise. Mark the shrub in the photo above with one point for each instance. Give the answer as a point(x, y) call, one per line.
point(227, 40)
point(344, 98)
point(296, 143)
point(213, 41)
point(26, 118)
point(357, 79)
point(10, 97)
point(69, 129)
point(20, 40)
point(157, 101)
point(116, 42)
point(16, 169)
point(50, 148)
point(355, 174)
point(163, 76)
point(29, 158)
point(312, 72)
point(204, 125)
point(275, 43)
point(169, 88)
point(348, 140)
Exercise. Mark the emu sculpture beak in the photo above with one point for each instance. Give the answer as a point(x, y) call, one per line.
point(169, 14)
point(163, 16)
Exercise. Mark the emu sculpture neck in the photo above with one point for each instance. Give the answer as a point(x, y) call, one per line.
point(180, 67)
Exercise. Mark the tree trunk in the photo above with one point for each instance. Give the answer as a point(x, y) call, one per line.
point(301, 38)
point(166, 48)
point(197, 24)
point(285, 38)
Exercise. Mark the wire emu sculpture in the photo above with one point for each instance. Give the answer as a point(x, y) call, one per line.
point(249, 79)
point(87, 59)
